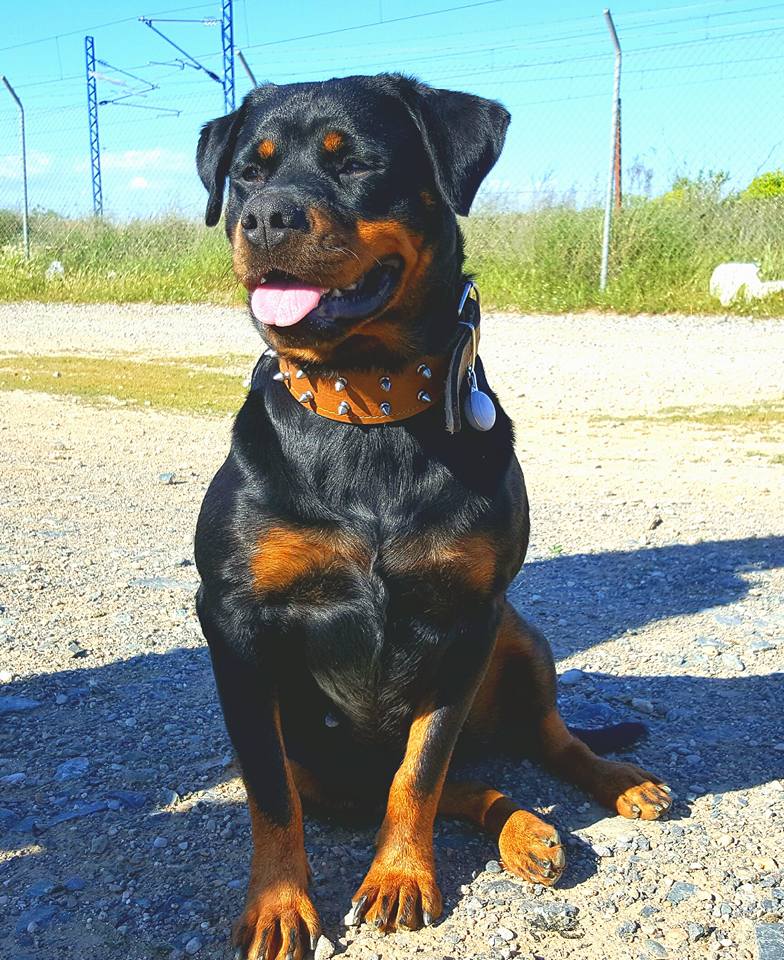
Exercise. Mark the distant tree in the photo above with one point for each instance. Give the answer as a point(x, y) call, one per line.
point(765, 186)
point(707, 186)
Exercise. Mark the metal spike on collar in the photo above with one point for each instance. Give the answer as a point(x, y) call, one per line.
point(340, 384)
point(299, 374)
point(269, 352)
point(424, 371)
point(424, 396)
point(385, 383)
point(343, 408)
point(280, 376)
point(306, 396)
point(386, 408)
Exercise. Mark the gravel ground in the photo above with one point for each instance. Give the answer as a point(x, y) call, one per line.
point(656, 569)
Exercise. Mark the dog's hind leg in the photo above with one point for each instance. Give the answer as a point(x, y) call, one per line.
point(529, 847)
point(516, 707)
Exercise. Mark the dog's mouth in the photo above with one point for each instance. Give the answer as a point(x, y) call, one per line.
point(282, 300)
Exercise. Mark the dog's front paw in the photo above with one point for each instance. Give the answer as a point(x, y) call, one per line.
point(279, 921)
point(531, 848)
point(397, 894)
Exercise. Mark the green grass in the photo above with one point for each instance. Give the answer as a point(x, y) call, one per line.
point(196, 386)
point(756, 416)
point(548, 260)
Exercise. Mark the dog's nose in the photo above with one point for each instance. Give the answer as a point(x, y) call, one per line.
point(269, 220)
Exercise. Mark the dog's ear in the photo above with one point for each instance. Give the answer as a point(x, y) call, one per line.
point(213, 156)
point(463, 136)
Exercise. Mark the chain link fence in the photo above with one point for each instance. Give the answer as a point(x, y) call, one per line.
point(701, 164)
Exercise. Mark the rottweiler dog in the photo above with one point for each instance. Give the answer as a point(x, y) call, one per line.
point(356, 546)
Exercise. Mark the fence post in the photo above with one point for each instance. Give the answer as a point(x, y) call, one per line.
point(615, 154)
point(25, 213)
point(244, 62)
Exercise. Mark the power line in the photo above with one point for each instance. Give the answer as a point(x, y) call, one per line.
point(374, 23)
point(99, 26)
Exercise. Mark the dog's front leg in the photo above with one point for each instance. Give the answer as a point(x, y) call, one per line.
point(400, 889)
point(279, 918)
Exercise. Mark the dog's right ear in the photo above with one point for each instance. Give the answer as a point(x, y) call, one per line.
point(213, 157)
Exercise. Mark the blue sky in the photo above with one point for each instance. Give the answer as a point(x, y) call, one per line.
point(703, 87)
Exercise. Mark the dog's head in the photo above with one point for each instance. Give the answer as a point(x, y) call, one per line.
point(341, 208)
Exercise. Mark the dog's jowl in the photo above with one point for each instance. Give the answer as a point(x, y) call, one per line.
point(356, 546)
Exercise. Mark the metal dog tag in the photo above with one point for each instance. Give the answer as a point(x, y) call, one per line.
point(478, 408)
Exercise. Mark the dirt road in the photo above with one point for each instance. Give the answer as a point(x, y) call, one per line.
point(656, 569)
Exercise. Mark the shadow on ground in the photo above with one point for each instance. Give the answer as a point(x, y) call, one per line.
point(151, 724)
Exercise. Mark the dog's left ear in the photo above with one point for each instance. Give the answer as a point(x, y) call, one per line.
point(463, 135)
point(213, 157)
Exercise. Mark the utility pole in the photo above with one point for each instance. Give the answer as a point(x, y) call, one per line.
point(92, 114)
point(227, 43)
point(23, 147)
point(614, 183)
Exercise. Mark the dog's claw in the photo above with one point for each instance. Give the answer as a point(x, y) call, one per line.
point(354, 916)
point(427, 919)
point(665, 788)
point(636, 810)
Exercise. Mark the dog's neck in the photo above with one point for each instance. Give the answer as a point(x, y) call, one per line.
point(379, 394)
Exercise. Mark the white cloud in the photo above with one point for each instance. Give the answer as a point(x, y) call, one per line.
point(156, 158)
point(138, 183)
point(11, 165)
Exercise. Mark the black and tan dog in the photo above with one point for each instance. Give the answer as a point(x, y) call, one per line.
point(355, 553)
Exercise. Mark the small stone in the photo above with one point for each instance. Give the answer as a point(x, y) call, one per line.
point(681, 891)
point(193, 946)
point(6, 676)
point(12, 779)
point(603, 851)
point(731, 662)
point(770, 940)
point(60, 699)
point(506, 934)
point(41, 888)
point(74, 884)
point(72, 769)
point(696, 931)
point(167, 478)
point(643, 706)
point(655, 949)
point(493, 866)
point(778, 747)
point(761, 646)
point(160, 842)
point(627, 929)
point(99, 845)
point(570, 677)
point(17, 704)
point(324, 949)
point(656, 521)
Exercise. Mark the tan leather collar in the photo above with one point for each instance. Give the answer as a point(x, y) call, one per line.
point(369, 396)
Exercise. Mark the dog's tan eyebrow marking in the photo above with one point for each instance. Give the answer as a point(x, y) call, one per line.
point(266, 148)
point(333, 141)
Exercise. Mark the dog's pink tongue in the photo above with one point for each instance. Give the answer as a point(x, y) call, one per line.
point(283, 304)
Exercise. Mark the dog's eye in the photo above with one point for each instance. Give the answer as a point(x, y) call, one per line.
point(351, 166)
point(251, 173)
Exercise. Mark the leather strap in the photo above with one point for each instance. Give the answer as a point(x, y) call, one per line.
point(368, 396)
point(374, 396)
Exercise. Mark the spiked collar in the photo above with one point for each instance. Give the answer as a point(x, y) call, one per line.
point(376, 396)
